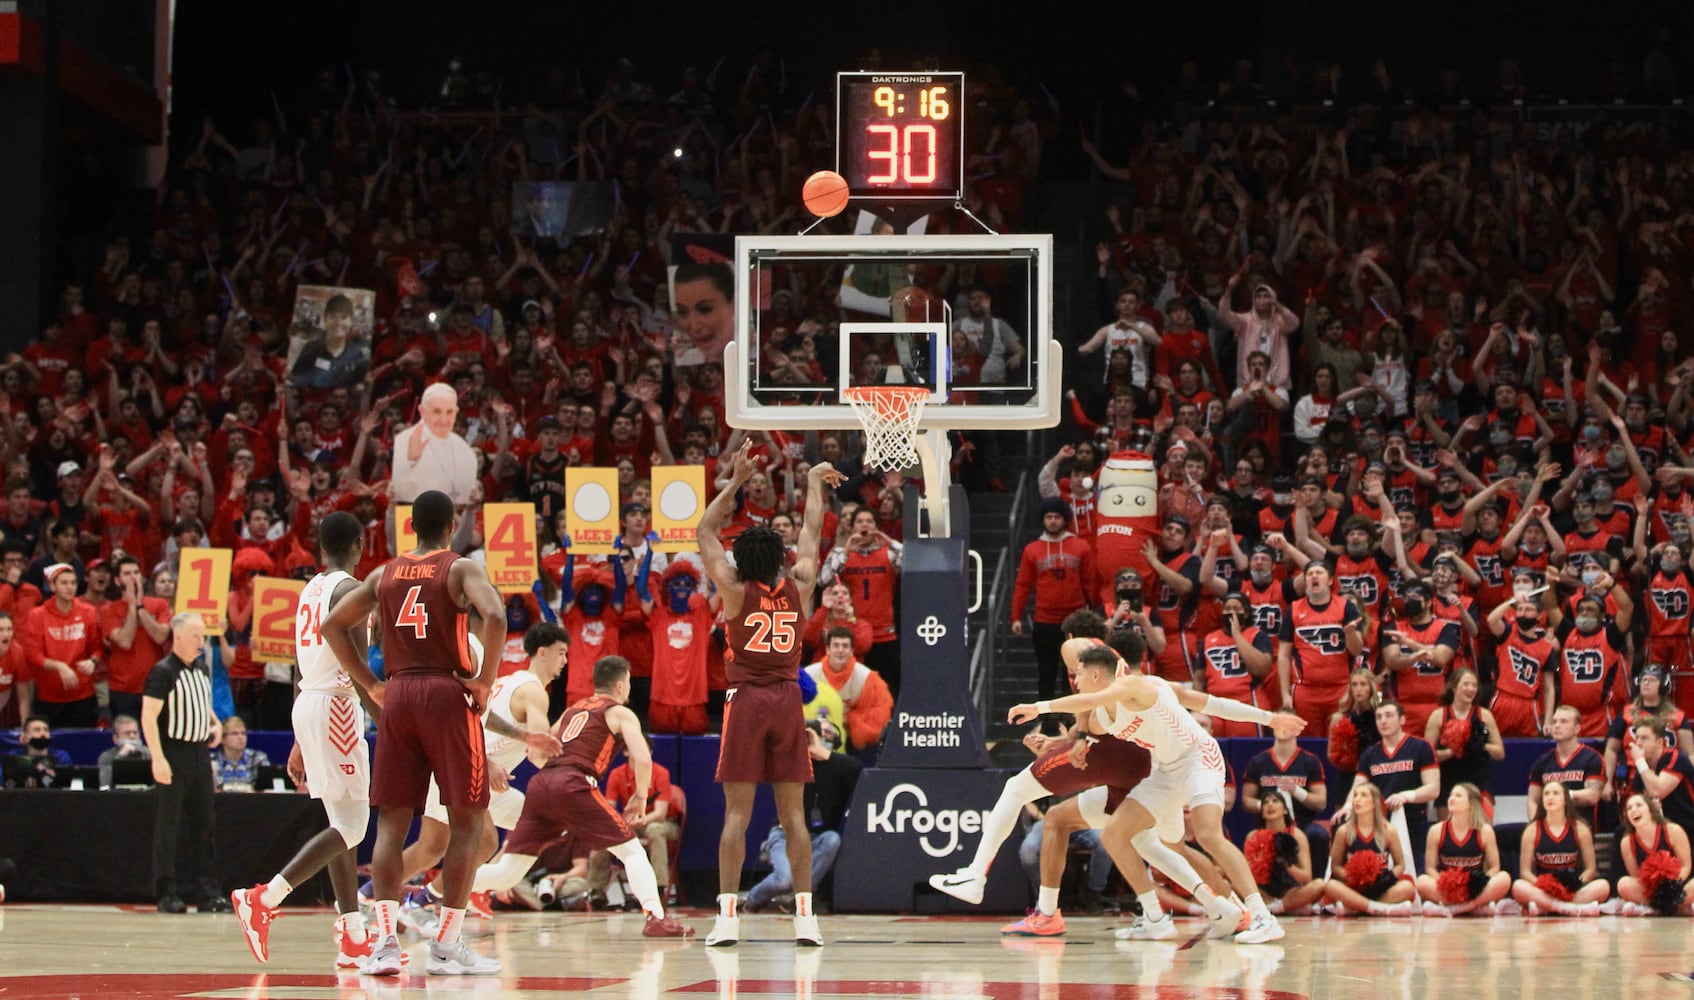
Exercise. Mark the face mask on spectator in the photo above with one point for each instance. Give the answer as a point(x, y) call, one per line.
point(1587, 623)
point(1616, 459)
point(40, 742)
point(1591, 434)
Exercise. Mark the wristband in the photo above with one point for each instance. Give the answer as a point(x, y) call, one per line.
point(1234, 711)
point(1044, 707)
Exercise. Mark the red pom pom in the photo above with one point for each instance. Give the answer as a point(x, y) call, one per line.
point(1344, 744)
point(1549, 883)
point(1454, 885)
point(1363, 869)
point(1455, 733)
point(1261, 855)
point(1657, 867)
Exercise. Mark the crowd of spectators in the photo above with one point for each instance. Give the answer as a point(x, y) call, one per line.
point(1411, 377)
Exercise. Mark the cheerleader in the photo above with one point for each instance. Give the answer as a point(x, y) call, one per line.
point(1556, 862)
point(1356, 719)
point(1281, 856)
point(1656, 856)
point(1368, 862)
point(1462, 860)
point(1464, 735)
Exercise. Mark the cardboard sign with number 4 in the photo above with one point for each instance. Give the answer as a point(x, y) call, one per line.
point(508, 530)
point(202, 586)
point(276, 603)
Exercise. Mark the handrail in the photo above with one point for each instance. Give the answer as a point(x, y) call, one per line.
point(985, 658)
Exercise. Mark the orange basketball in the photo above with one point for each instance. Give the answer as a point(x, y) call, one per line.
point(825, 194)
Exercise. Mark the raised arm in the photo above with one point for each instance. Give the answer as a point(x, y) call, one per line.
point(717, 512)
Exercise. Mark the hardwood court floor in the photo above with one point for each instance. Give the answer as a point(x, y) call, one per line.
point(59, 953)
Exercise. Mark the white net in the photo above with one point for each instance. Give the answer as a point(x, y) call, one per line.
point(890, 415)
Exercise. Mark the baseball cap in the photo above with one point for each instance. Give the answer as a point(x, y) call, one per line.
point(547, 423)
point(57, 568)
point(1179, 519)
point(632, 507)
point(66, 468)
point(531, 304)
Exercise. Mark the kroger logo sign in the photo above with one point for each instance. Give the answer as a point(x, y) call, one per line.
point(937, 829)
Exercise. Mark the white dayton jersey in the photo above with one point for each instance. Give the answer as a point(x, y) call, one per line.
point(1164, 728)
point(1188, 769)
point(329, 723)
point(503, 750)
point(319, 669)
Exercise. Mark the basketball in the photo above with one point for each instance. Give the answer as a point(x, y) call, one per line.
point(825, 194)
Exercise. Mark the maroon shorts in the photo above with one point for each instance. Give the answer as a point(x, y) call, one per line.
point(764, 735)
point(562, 802)
point(427, 727)
point(1118, 765)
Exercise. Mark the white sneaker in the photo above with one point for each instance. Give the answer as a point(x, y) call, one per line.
point(1225, 920)
point(1583, 910)
point(1142, 929)
point(1611, 906)
point(1534, 909)
point(725, 932)
point(1263, 930)
point(1434, 909)
point(1508, 908)
point(385, 959)
point(457, 959)
point(1405, 909)
point(806, 931)
point(964, 885)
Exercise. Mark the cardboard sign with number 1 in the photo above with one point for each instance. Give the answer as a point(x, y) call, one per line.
point(202, 586)
point(276, 603)
point(510, 546)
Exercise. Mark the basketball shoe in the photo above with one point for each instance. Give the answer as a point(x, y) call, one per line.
point(480, 905)
point(255, 918)
point(725, 932)
point(351, 954)
point(457, 959)
point(1036, 924)
point(1142, 929)
point(964, 885)
point(386, 959)
point(662, 927)
point(806, 930)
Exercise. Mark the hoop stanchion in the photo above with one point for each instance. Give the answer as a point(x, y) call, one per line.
point(890, 415)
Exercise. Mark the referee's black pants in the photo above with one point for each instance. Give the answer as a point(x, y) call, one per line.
point(185, 806)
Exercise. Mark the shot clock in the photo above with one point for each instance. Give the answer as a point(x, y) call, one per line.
point(900, 136)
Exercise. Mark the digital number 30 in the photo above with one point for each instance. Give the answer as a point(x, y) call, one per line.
point(892, 146)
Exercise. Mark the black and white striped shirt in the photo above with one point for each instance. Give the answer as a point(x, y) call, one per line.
point(186, 690)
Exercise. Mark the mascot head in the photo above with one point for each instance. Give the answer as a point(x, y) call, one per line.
point(1128, 486)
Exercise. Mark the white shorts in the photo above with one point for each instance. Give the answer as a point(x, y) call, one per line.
point(1194, 779)
point(330, 731)
point(503, 807)
point(1092, 805)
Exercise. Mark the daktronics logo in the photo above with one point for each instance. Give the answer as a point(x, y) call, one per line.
point(888, 818)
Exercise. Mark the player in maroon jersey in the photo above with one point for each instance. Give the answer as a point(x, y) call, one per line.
point(764, 738)
point(563, 801)
point(431, 720)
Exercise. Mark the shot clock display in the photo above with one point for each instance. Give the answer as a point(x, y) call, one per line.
point(900, 136)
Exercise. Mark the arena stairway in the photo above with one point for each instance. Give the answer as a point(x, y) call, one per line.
point(1061, 209)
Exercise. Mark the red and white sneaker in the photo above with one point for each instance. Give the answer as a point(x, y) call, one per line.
point(255, 919)
point(665, 926)
point(480, 905)
point(352, 955)
point(1036, 924)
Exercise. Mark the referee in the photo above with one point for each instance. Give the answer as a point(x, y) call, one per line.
point(178, 723)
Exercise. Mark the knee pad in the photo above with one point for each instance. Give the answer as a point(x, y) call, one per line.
point(350, 818)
